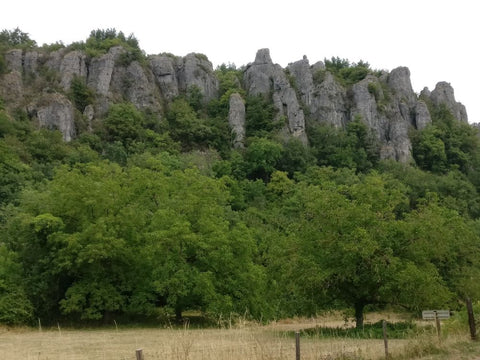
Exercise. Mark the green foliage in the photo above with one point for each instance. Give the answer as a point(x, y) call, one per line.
point(398, 330)
point(81, 94)
point(15, 308)
point(261, 158)
point(108, 239)
point(172, 219)
point(355, 147)
point(345, 72)
point(124, 123)
point(296, 157)
point(260, 117)
point(15, 39)
point(101, 41)
point(185, 126)
point(446, 144)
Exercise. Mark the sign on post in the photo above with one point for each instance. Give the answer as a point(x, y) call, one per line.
point(435, 314)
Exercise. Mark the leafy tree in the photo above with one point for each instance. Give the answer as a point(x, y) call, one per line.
point(81, 94)
point(124, 123)
point(261, 158)
point(99, 240)
point(260, 117)
point(185, 126)
point(16, 39)
point(345, 72)
point(296, 157)
point(346, 245)
point(446, 144)
point(355, 147)
point(15, 308)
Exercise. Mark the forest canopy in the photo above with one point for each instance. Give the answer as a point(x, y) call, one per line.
point(147, 215)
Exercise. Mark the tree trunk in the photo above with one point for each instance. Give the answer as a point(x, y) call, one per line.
point(178, 314)
point(359, 306)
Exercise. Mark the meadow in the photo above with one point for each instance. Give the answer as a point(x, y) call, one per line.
point(243, 340)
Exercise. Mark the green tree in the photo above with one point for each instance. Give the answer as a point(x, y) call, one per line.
point(15, 39)
point(349, 248)
point(124, 123)
point(15, 308)
point(185, 125)
point(260, 117)
point(261, 158)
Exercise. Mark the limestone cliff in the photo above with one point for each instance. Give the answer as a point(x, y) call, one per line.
point(303, 95)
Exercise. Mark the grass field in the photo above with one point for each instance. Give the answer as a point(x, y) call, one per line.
point(242, 341)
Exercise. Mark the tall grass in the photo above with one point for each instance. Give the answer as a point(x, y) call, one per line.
point(247, 341)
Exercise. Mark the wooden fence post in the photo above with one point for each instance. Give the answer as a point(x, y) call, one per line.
point(471, 320)
point(385, 339)
point(139, 354)
point(437, 323)
point(297, 345)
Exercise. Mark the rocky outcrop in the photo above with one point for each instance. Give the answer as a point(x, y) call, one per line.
point(175, 75)
point(101, 71)
point(321, 94)
point(14, 60)
point(164, 69)
point(56, 112)
point(135, 84)
point(236, 120)
point(444, 94)
point(384, 101)
point(71, 65)
point(197, 70)
point(422, 115)
point(262, 77)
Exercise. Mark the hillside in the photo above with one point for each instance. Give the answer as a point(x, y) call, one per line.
point(144, 186)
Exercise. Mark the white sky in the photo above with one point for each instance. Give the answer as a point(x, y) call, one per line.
point(437, 40)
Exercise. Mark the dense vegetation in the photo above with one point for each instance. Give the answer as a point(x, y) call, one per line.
point(145, 216)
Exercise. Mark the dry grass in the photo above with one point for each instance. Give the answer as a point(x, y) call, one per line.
point(246, 341)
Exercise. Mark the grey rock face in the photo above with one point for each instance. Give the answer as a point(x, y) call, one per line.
point(72, 64)
point(329, 103)
point(364, 103)
point(30, 62)
point(262, 77)
point(135, 84)
point(326, 99)
point(14, 59)
point(390, 121)
point(422, 115)
point(236, 120)
point(197, 70)
point(443, 94)
point(56, 112)
point(101, 70)
point(164, 69)
point(11, 89)
point(300, 71)
point(175, 75)
point(399, 82)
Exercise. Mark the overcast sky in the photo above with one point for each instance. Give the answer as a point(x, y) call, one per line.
point(437, 40)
